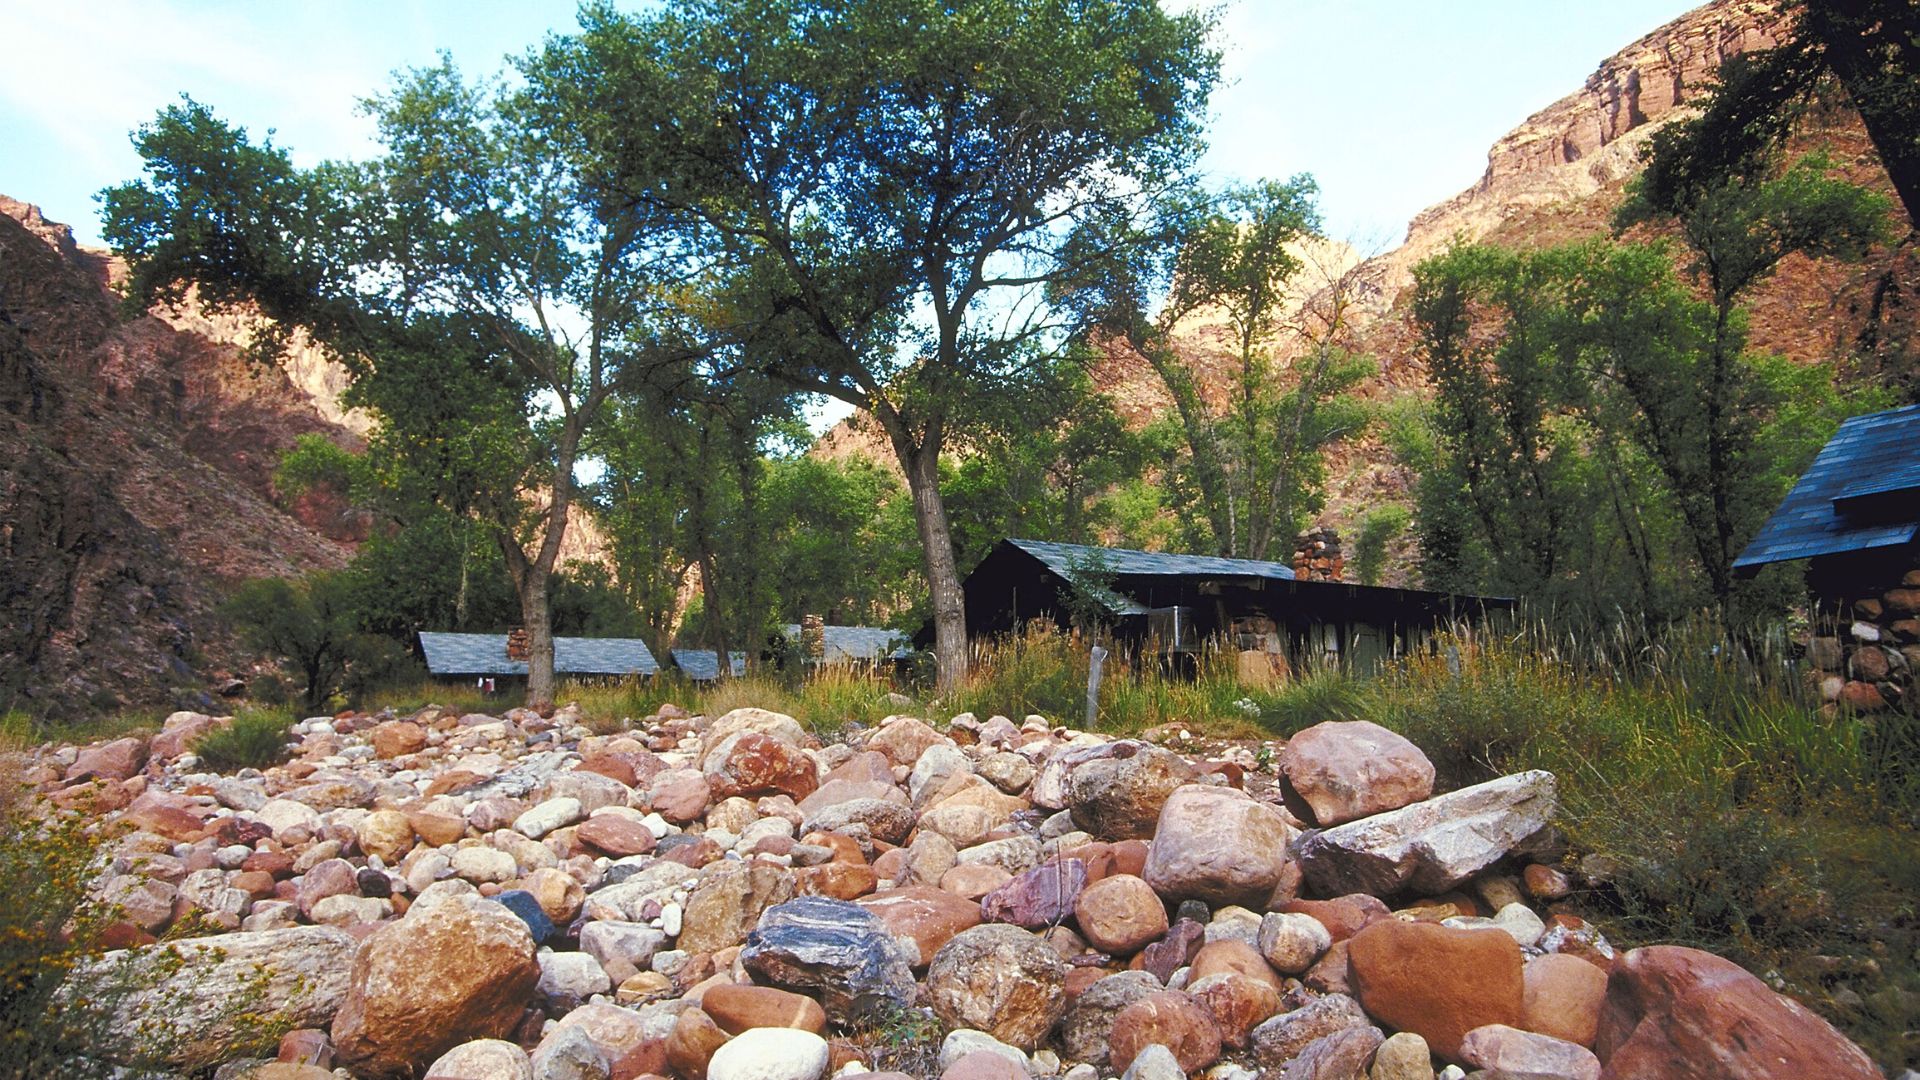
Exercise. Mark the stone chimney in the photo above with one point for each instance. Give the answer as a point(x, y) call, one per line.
point(1316, 556)
point(519, 645)
point(813, 639)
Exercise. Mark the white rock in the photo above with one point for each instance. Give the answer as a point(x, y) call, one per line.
point(770, 1054)
point(963, 1041)
point(1156, 1062)
point(1431, 846)
point(1292, 941)
point(548, 816)
point(482, 1059)
point(483, 864)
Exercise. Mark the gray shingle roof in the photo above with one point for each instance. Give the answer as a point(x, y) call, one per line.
point(846, 644)
point(486, 654)
point(1068, 559)
point(703, 665)
point(1874, 458)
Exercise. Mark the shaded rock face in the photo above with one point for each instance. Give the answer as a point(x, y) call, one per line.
point(1431, 846)
point(136, 464)
point(461, 969)
point(834, 949)
point(1673, 1011)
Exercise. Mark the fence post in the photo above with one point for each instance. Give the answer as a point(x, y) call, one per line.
point(1098, 657)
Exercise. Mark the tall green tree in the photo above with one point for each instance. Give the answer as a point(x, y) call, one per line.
point(892, 183)
point(1252, 467)
point(486, 235)
point(1706, 419)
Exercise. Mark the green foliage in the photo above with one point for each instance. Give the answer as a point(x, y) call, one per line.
point(255, 739)
point(1599, 439)
point(308, 623)
point(1379, 528)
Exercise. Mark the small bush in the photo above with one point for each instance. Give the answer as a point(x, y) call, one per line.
point(256, 739)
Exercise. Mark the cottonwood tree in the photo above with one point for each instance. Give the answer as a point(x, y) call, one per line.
point(890, 184)
point(1254, 464)
point(484, 234)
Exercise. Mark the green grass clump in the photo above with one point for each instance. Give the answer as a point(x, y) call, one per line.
point(255, 739)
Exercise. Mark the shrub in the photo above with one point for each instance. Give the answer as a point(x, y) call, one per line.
point(255, 739)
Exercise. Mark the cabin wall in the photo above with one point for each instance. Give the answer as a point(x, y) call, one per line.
point(1864, 645)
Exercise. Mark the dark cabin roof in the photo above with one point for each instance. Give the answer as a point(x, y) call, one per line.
point(1862, 492)
point(1068, 559)
point(486, 654)
point(703, 665)
point(850, 644)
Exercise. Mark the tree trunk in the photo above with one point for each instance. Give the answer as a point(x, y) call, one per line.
point(1873, 50)
point(537, 614)
point(921, 462)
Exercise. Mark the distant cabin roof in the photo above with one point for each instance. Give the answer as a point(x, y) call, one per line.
point(1063, 558)
point(703, 665)
point(846, 644)
point(486, 654)
point(1861, 493)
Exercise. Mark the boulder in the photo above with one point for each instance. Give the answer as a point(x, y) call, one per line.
point(482, 1059)
point(680, 795)
point(1120, 914)
point(1429, 847)
point(770, 1054)
point(835, 950)
point(568, 979)
point(1292, 942)
point(742, 721)
point(726, 905)
point(1436, 981)
point(884, 819)
point(193, 1003)
point(116, 760)
point(570, 1054)
point(454, 969)
point(616, 835)
point(1037, 898)
point(903, 739)
point(1507, 1049)
point(999, 979)
point(1168, 1018)
point(1342, 1055)
point(624, 949)
point(1085, 1029)
point(1238, 1003)
point(751, 765)
point(1404, 1056)
point(1217, 845)
point(922, 918)
point(1339, 771)
point(1563, 997)
point(737, 1007)
point(1674, 1011)
point(395, 738)
point(1119, 796)
point(1282, 1038)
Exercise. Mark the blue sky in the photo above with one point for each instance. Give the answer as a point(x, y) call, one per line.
point(1390, 104)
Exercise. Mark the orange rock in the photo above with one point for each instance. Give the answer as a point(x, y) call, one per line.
point(1232, 957)
point(1673, 1011)
point(693, 1042)
point(1563, 995)
point(1172, 1019)
point(842, 881)
point(974, 880)
point(1237, 1004)
point(922, 915)
point(737, 1007)
point(396, 738)
point(436, 828)
point(1120, 914)
point(1436, 981)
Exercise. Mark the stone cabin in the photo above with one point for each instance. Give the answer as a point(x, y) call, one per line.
point(1855, 517)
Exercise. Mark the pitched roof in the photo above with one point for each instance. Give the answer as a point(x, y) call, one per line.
point(703, 665)
point(486, 654)
point(1065, 559)
point(846, 644)
point(1861, 492)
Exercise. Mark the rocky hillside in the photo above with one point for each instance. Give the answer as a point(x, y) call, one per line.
point(136, 459)
point(727, 898)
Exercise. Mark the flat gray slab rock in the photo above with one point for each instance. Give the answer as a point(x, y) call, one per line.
point(1431, 846)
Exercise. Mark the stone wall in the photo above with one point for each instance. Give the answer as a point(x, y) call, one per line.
point(1865, 643)
point(1317, 557)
